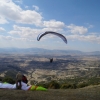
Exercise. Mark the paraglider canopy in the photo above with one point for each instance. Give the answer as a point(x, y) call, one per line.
point(54, 33)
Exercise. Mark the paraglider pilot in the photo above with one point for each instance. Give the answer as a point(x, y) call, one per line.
point(18, 80)
point(51, 60)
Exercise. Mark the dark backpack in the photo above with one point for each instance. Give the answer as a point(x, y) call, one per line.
point(24, 79)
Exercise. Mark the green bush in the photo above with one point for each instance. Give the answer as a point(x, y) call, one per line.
point(45, 85)
point(66, 86)
point(0, 78)
point(73, 86)
point(8, 80)
point(54, 85)
point(81, 85)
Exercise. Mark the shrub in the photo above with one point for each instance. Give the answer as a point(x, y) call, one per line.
point(54, 85)
point(67, 85)
point(45, 85)
point(81, 85)
point(8, 80)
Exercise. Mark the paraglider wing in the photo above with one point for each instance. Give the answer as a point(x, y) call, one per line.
point(55, 33)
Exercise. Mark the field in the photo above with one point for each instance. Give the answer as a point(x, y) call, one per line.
point(87, 93)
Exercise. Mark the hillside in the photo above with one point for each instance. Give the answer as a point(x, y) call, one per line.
point(65, 68)
point(38, 67)
point(87, 93)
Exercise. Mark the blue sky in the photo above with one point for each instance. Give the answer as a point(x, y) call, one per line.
point(21, 21)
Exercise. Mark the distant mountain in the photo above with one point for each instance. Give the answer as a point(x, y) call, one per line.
point(45, 51)
point(94, 53)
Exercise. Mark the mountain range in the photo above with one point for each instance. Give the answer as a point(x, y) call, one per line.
point(42, 51)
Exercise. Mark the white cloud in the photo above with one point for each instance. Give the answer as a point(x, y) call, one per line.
point(25, 32)
point(77, 29)
point(10, 10)
point(54, 24)
point(36, 7)
point(11, 38)
point(9, 41)
point(18, 1)
point(51, 29)
point(30, 17)
point(30, 33)
point(2, 29)
point(89, 38)
point(3, 20)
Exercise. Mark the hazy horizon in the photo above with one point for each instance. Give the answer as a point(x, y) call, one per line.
point(11, 48)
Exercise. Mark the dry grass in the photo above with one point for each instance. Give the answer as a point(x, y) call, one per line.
point(89, 93)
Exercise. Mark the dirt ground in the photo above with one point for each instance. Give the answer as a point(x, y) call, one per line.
point(90, 93)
